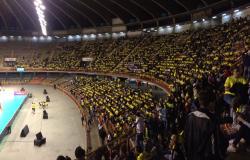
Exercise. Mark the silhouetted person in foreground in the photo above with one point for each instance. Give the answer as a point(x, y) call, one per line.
point(80, 153)
point(200, 131)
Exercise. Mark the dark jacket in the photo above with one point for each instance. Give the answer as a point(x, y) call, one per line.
point(199, 136)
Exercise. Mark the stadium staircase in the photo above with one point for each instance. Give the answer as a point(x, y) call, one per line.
point(131, 52)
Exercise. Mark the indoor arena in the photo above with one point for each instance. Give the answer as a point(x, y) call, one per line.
point(124, 80)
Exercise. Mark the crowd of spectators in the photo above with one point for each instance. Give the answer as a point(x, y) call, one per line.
point(197, 121)
point(175, 57)
point(206, 114)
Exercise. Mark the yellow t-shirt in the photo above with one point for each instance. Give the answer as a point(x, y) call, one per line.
point(230, 81)
point(33, 105)
point(140, 156)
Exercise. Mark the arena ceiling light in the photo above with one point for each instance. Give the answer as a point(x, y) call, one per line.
point(40, 8)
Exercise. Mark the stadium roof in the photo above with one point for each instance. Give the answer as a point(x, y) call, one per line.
point(20, 15)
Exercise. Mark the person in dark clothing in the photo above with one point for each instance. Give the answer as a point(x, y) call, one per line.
point(200, 130)
point(47, 99)
point(246, 63)
point(153, 127)
point(244, 130)
point(67, 158)
point(80, 153)
point(45, 91)
point(60, 157)
point(102, 133)
point(82, 118)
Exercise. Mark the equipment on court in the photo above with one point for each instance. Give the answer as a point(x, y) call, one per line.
point(45, 91)
point(24, 131)
point(45, 114)
point(40, 140)
point(47, 99)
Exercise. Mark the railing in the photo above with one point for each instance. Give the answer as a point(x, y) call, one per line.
point(111, 146)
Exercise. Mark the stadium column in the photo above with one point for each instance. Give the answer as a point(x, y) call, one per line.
point(21, 75)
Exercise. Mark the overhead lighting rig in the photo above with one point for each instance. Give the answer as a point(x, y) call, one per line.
point(40, 8)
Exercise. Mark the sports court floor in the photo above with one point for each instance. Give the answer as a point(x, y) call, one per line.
point(63, 129)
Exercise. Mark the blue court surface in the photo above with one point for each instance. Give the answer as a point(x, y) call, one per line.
point(10, 104)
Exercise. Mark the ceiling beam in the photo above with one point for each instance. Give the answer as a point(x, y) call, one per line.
point(204, 3)
point(58, 19)
point(25, 13)
point(66, 14)
point(96, 12)
point(127, 10)
point(13, 13)
point(165, 9)
point(185, 13)
point(81, 13)
point(147, 11)
point(106, 8)
point(4, 20)
point(162, 7)
point(181, 4)
point(143, 8)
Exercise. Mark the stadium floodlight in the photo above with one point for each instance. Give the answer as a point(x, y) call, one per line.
point(40, 8)
point(49, 38)
point(93, 36)
point(41, 38)
point(4, 37)
point(19, 38)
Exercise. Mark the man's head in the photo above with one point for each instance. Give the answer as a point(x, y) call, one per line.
point(236, 72)
point(80, 153)
point(60, 157)
point(205, 97)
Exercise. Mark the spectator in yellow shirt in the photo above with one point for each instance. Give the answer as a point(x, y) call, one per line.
point(230, 81)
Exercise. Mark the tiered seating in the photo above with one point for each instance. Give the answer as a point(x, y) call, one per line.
point(115, 104)
point(179, 55)
point(185, 59)
point(121, 50)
